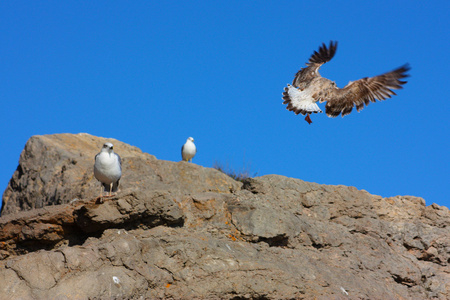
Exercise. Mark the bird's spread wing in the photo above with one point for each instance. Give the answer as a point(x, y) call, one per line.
point(317, 59)
point(364, 91)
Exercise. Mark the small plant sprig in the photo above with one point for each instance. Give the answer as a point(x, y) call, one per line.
point(241, 175)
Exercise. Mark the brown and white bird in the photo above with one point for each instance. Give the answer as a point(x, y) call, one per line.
point(309, 87)
point(108, 169)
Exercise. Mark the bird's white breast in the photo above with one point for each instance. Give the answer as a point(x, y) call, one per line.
point(107, 167)
point(189, 150)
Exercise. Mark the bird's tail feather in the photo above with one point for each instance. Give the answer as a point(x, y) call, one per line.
point(299, 101)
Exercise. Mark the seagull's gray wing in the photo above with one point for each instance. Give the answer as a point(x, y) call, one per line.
point(120, 161)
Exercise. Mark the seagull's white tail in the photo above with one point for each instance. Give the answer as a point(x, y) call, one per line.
point(299, 101)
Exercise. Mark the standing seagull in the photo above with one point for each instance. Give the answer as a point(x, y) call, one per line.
point(188, 150)
point(108, 169)
point(309, 87)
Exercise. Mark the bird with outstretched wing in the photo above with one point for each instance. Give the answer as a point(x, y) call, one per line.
point(308, 88)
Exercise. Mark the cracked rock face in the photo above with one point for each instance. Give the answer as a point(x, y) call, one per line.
point(180, 231)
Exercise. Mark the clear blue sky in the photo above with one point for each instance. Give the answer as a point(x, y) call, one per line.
point(152, 73)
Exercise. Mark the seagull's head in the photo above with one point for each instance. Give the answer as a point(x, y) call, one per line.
point(108, 147)
point(190, 139)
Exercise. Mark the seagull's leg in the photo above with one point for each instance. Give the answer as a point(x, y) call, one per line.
point(100, 198)
point(110, 189)
point(308, 119)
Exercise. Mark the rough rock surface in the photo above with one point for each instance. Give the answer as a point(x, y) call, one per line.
point(180, 231)
point(58, 169)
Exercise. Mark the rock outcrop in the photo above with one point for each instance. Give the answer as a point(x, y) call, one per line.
point(177, 230)
point(58, 169)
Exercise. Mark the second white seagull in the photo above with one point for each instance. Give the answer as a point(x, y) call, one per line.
point(188, 150)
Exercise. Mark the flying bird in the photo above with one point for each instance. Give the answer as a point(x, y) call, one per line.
point(108, 169)
point(309, 87)
point(188, 150)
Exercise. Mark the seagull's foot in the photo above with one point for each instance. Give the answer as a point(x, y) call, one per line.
point(308, 119)
point(100, 199)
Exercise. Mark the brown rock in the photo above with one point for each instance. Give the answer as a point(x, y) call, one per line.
point(58, 169)
point(180, 231)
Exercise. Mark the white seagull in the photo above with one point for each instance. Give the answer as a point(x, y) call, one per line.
point(188, 150)
point(108, 169)
point(309, 87)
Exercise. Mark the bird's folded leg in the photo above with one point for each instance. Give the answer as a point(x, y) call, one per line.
point(308, 119)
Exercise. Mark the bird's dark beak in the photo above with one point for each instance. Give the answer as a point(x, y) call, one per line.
point(308, 119)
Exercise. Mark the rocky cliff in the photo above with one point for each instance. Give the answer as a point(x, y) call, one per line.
point(176, 230)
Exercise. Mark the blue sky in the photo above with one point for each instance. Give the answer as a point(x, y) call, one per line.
point(152, 73)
